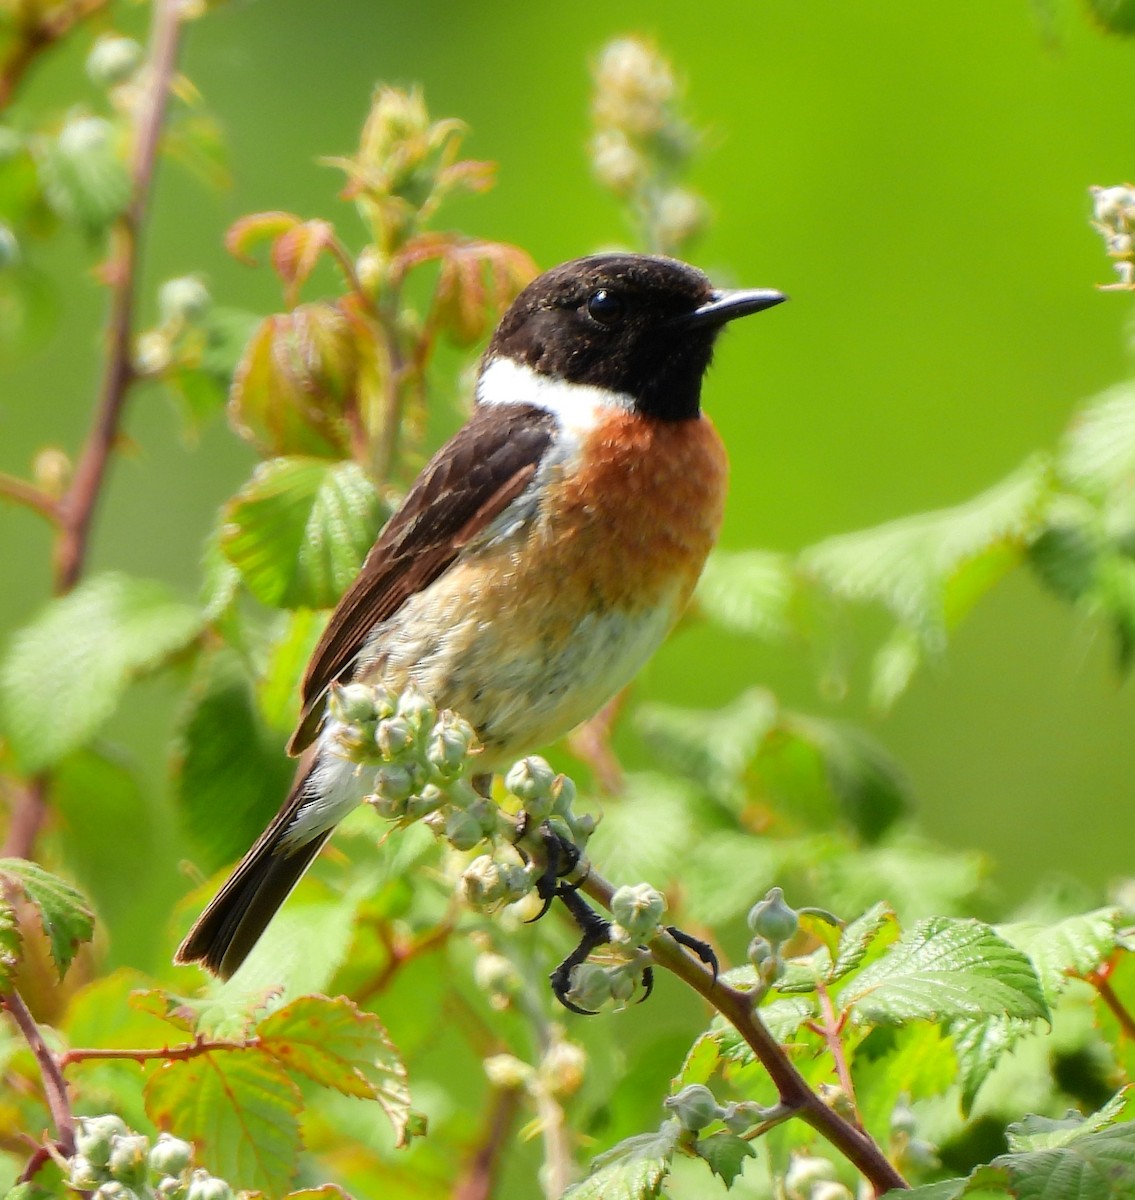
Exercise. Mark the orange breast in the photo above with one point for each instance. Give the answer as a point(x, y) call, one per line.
point(638, 522)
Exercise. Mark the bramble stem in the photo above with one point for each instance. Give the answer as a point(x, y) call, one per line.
point(54, 1085)
point(795, 1094)
point(193, 1049)
point(19, 491)
point(1100, 981)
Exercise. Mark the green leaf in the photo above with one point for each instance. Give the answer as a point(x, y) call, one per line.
point(299, 530)
point(1074, 947)
point(726, 876)
point(1043, 1133)
point(725, 1153)
point(84, 173)
point(230, 772)
point(859, 937)
point(64, 913)
point(340, 1046)
point(946, 968)
point(711, 747)
point(1098, 456)
point(241, 1110)
point(1097, 1166)
point(979, 1045)
point(748, 592)
point(635, 1169)
point(648, 833)
point(9, 944)
point(63, 674)
point(872, 789)
point(784, 1016)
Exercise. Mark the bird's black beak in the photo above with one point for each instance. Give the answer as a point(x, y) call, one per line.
point(727, 305)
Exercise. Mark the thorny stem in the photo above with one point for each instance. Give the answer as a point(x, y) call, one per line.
point(75, 512)
point(78, 507)
point(37, 37)
point(194, 1049)
point(830, 1031)
point(1100, 981)
point(54, 1085)
point(737, 1008)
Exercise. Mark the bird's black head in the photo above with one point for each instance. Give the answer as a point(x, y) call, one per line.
point(630, 323)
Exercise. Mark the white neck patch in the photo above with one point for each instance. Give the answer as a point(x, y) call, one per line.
point(578, 407)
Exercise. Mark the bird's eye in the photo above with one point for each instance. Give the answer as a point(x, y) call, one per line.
point(605, 307)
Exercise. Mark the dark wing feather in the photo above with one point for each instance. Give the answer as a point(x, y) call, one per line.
point(469, 482)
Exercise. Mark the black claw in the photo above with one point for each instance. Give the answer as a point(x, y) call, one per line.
point(647, 983)
point(596, 932)
point(561, 858)
point(703, 950)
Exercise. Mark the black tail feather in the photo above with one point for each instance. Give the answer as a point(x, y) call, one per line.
point(223, 935)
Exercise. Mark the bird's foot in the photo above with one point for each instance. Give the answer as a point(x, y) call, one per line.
point(701, 950)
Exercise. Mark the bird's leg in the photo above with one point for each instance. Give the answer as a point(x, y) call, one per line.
point(703, 950)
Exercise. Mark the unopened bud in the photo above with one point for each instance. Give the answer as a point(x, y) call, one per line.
point(771, 918)
point(831, 1189)
point(152, 353)
point(394, 782)
point(563, 795)
point(495, 974)
point(590, 986)
point(84, 135)
point(425, 802)
point(170, 1155)
point(394, 737)
point(638, 909)
point(616, 163)
point(51, 470)
point(417, 708)
point(94, 1136)
point(563, 1067)
point(483, 883)
point(113, 59)
point(351, 703)
point(82, 1174)
point(448, 748)
point(114, 1190)
point(507, 1071)
point(462, 830)
point(695, 1107)
point(1113, 205)
point(530, 781)
point(183, 299)
point(622, 982)
point(129, 1158)
point(804, 1172)
point(204, 1186)
point(486, 814)
point(742, 1115)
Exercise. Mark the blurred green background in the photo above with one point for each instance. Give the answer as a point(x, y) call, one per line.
point(915, 176)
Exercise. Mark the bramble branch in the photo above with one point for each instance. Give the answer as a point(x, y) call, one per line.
point(795, 1095)
point(19, 491)
point(194, 1049)
point(54, 1085)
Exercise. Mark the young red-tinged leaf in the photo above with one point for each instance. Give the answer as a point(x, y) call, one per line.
point(725, 1153)
point(295, 253)
point(9, 945)
point(64, 673)
point(295, 382)
point(174, 1010)
point(340, 1046)
point(300, 529)
point(1072, 948)
point(243, 234)
point(240, 1109)
point(943, 969)
point(63, 911)
point(635, 1169)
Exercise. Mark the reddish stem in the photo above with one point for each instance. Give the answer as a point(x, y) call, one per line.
point(27, 494)
point(54, 1085)
point(194, 1049)
point(1100, 980)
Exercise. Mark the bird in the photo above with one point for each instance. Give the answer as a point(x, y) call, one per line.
point(537, 561)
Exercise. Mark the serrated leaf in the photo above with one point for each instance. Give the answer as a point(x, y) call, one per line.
point(784, 1016)
point(711, 747)
point(9, 944)
point(299, 530)
point(979, 1045)
point(1035, 1132)
point(725, 1153)
point(230, 772)
point(63, 911)
point(859, 937)
point(905, 564)
point(748, 592)
point(943, 969)
point(1098, 456)
point(64, 673)
point(1098, 1166)
point(635, 1169)
point(1074, 947)
point(173, 1010)
point(340, 1046)
point(240, 1108)
point(244, 233)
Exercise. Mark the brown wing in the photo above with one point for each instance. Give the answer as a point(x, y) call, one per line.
point(470, 481)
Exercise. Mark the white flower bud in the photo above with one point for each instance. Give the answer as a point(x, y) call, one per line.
point(351, 703)
point(129, 1158)
point(695, 1107)
point(417, 708)
point(113, 59)
point(82, 1174)
point(204, 1186)
point(183, 299)
point(483, 883)
point(638, 909)
point(530, 780)
point(394, 737)
point(152, 353)
point(563, 1066)
point(507, 1071)
point(495, 974)
point(170, 1155)
point(93, 1138)
point(590, 986)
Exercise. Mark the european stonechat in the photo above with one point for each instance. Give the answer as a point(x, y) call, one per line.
point(538, 560)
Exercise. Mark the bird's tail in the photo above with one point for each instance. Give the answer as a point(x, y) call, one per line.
point(224, 934)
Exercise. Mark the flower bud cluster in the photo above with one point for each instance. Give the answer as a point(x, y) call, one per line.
point(637, 911)
point(772, 923)
point(421, 757)
point(1114, 213)
point(695, 1106)
point(641, 143)
point(112, 1163)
